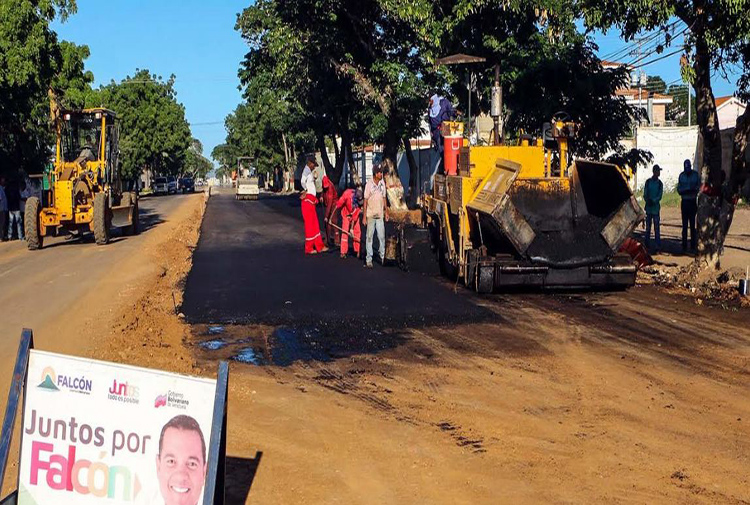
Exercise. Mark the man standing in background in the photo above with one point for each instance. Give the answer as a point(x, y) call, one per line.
point(652, 193)
point(687, 186)
point(3, 208)
point(13, 195)
point(376, 212)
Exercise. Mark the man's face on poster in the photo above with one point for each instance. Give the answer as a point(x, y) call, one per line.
point(180, 467)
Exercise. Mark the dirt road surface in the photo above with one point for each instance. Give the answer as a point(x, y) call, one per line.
point(374, 386)
point(74, 293)
point(357, 386)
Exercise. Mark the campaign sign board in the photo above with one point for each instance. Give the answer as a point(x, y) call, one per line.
point(103, 433)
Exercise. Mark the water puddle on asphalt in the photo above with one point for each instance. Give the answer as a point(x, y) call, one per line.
point(213, 345)
point(289, 345)
point(248, 356)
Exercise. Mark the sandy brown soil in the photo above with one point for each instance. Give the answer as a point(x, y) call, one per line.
point(636, 397)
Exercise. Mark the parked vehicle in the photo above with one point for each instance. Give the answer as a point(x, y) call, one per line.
point(172, 186)
point(187, 185)
point(161, 186)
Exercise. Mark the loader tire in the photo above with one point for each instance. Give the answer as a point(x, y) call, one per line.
point(101, 219)
point(31, 226)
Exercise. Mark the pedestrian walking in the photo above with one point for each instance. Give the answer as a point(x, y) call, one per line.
point(3, 208)
point(688, 185)
point(13, 195)
point(652, 193)
point(376, 213)
point(313, 241)
point(330, 196)
point(350, 205)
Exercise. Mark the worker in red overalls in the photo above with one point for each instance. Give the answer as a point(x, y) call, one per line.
point(330, 195)
point(350, 205)
point(313, 241)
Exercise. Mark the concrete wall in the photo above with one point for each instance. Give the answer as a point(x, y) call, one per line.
point(670, 147)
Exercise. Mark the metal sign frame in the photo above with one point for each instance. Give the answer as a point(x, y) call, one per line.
point(213, 493)
point(17, 386)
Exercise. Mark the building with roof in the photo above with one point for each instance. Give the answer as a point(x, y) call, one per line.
point(653, 104)
point(728, 109)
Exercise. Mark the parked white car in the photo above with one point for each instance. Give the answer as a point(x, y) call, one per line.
point(161, 186)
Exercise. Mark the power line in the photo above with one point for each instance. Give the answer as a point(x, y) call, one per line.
point(659, 58)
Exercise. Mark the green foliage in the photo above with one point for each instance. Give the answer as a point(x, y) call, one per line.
point(656, 84)
point(196, 165)
point(154, 133)
point(677, 110)
point(32, 61)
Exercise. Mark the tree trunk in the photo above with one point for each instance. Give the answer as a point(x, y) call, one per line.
point(413, 173)
point(711, 210)
point(288, 175)
point(390, 157)
point(321, 144)
point(338, 167)
point(348, 154)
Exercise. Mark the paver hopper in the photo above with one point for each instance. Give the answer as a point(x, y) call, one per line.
point(523, 216)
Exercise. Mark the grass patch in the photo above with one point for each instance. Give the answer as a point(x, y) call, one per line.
point(673, 199)
point(668, 199)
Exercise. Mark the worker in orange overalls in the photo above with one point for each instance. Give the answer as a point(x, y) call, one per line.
point(350, 205)
point(330, 195)
point(313, 241)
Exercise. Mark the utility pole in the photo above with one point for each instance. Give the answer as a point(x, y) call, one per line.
point(640, 81)
point(690, 105)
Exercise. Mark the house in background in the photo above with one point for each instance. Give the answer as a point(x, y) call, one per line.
point(729, 108)
point(653, 104)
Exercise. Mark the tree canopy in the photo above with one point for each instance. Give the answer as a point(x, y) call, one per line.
point(717, 36)
point(154, 133)
point(32, 63)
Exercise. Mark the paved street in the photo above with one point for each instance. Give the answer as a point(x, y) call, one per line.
point(250, 268)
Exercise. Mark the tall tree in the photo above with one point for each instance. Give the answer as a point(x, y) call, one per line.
point(154, 133)
point(196, 165)
point(32, 62)
point(717, 34)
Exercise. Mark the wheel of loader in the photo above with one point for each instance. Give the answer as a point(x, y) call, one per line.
point(485, 282)
point(31, 224)
point(101, 219)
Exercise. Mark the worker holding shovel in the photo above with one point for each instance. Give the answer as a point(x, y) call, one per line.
point(350, 205)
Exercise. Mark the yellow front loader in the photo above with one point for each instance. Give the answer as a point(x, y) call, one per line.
point(85, 190)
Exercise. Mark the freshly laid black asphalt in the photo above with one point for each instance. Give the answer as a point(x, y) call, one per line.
point(249, 268)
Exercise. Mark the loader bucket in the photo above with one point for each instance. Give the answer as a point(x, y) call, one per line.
point(562, 223)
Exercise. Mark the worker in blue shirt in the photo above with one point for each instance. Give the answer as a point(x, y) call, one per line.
point(652, 193)
point(688, 186)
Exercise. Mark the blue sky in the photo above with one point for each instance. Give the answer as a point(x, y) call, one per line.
point(193, 39)
point(196, 41)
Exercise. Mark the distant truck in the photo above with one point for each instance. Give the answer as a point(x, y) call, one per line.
point(247, 188)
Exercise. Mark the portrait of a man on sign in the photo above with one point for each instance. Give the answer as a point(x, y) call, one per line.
point(181, 462)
